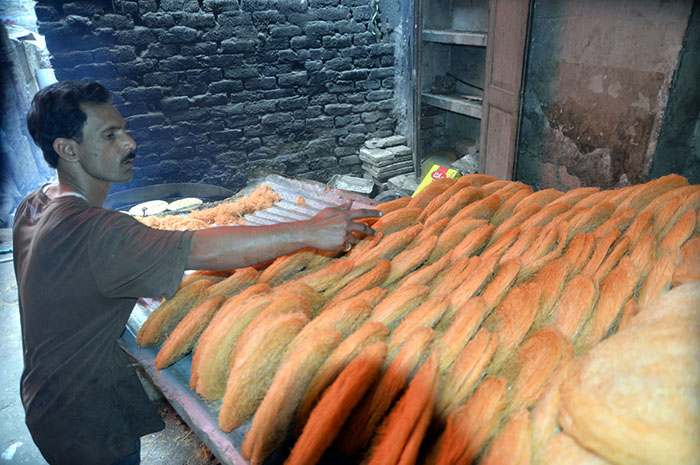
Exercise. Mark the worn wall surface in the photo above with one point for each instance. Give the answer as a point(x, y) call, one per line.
point(211, 88)
point(596, 88)
point(22, 166)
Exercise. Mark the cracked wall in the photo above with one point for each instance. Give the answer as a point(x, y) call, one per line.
point(596, 88)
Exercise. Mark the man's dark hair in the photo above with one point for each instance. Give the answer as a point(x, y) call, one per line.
point(56, 113)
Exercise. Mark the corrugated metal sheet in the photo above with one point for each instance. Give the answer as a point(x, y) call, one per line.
point(316, 196)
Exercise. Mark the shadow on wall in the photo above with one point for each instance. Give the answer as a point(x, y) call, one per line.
point(678, 147)
point(545, 36)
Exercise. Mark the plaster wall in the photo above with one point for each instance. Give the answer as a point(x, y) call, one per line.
point(596, 87)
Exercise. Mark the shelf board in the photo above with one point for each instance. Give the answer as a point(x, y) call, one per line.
point(477, 39)
point(455, 103)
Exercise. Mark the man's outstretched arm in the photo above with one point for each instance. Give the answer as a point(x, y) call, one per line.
point(230, 247)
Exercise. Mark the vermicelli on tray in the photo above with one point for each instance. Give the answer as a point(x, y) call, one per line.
point(226, 213)
point(485, 323)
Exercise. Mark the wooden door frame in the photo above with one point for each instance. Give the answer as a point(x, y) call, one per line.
point(496, 158)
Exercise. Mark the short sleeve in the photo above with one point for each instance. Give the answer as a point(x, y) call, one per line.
point(131, 260)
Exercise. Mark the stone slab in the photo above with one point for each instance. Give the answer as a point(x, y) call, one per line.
point(383, 157)
point(351, 183)
point(406, 183)
point(400, 150)
point(387, 173)
point(376, 155)
point(403, 158)
point(382, 185)
point(385, 142)
point(388, 168)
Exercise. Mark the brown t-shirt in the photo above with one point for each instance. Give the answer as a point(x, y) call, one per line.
point(80, 270)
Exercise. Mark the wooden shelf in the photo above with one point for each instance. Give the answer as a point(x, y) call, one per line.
point(455, 103)
point(476, 39)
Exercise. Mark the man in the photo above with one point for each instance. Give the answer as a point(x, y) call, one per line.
point(80, 269)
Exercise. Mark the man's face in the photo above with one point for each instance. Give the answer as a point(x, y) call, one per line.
point(106, 150)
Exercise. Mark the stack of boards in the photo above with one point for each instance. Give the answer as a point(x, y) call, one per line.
point(484, 323)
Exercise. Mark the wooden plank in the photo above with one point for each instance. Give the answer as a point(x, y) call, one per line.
point(505, 51)
point(455, 104)
point(500, 125)
point(476, 39)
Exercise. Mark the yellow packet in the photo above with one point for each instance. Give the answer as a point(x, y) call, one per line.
point(436, 172)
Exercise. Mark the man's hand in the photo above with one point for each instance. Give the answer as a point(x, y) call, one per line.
point(335, 228)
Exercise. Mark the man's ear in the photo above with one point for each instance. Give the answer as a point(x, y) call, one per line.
point(66, 149)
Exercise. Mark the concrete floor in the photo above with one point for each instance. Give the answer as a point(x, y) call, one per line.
point(175, 445)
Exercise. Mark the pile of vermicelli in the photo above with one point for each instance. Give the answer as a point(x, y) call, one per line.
point(226, 213)
point(485, 323)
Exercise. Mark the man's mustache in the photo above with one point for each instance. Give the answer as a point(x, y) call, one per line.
point(130, 156)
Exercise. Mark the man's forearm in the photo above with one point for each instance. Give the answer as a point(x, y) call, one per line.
point(230, 247)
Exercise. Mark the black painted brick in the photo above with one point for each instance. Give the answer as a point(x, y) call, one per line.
point(285, 31)
point(138, 36)
point(116, 54)
point(113, 21)
point(196, 20)
point(160, 79)
point(261, 107)
point(205, 49)
point(341, 86)
point(160, 51)
point(260, 83)
point(291, 6)
point(318, 28)
point(95, 71)
point(208, 101)
point(177, 63)
point(158, 20)
point(46, 13)
point(138, 67)
point(337, 41)
point(292, 79)
point(238, 45)
point(145, 120)
point(131, 109)
point(351, 27)
point(203, 76)
point(179, 35)
point(334, 13)
point(268, 17)
point(219, 6)
point(83, 8)
point(226, 85)
point(379, 95)
point(174, 103)
point(147, 6)
point(369, 84)
point(234, 18)
point(362, 13)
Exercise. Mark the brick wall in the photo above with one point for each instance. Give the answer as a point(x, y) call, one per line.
point(211, 88)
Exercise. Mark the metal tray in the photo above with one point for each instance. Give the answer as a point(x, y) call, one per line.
point(200, 416)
